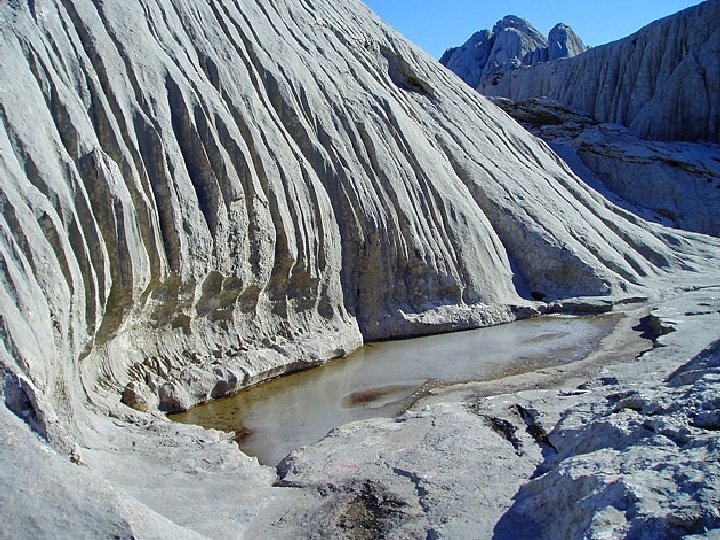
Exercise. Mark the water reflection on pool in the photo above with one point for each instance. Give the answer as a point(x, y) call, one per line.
point(383, 379)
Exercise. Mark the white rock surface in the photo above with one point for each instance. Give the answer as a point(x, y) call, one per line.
point(678, 181)
point(196, 210)
point(663, 82)
point(199, 195)
point(513, 42)
point(623, 444)
point(675, 183)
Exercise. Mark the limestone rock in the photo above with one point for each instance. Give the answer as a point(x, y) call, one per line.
point(563, 42)
point(138, 396)
point(470, 59)
point(45, 495)
point(663, 461)
point(197, 196)
point(513, 42)
point(211, 196)
point(632, 452)
point(515, 38)
point(662, 82)
point(676, 183)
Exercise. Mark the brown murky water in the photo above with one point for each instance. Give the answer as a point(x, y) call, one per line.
point(383, 379)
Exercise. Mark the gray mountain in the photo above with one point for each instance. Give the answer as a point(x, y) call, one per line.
point(563, 42)
point(513, 42)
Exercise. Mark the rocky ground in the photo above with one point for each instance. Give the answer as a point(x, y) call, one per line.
point(621, 444)
point(673, 183)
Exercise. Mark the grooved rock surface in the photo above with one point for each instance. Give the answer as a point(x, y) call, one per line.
point(512, 43)
point(200, 195)
point(663, 82)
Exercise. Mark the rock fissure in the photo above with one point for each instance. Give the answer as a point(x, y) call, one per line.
point(507, 430)
point(417, 481)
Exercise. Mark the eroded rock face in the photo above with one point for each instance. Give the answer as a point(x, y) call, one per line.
point(260, 189)
point(663, 82)
point(199, 195)
point(675, 183)
point(513, 42)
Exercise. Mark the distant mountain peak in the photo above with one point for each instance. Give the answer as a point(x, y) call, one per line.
point(563, 42)
point(512, 43)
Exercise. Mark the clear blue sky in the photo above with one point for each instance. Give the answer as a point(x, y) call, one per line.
point(436, 25)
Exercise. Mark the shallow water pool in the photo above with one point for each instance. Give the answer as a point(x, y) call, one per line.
point(383, 379)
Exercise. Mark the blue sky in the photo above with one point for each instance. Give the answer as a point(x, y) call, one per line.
point(438, 24)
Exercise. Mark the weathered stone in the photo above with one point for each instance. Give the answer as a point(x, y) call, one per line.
point(138, 396)
point(197, 196)
point(228, 204)
point(662, 82)
point(563, 42)
point(513, 42)
point(675, 183)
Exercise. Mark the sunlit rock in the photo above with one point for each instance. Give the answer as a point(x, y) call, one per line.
point(198, 196)
point(511, 44)
point(662, 82)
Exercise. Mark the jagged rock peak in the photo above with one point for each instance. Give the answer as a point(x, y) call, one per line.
point(512, 43)
point(519, 26)
point(564, 42)
point(662, 82)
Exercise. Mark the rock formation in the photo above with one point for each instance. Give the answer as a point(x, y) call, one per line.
point(662, 82)
point(512, 43)
point(563, 42)
point(675, 183)
point(188, 212)
point(199, 195)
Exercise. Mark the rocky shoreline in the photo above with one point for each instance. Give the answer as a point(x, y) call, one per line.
point(622, 443)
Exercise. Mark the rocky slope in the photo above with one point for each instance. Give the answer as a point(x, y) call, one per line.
point(196, 196)
point(512, 43)
point(662, 82)
point(189, 210)
point(675, 183)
